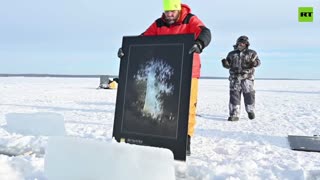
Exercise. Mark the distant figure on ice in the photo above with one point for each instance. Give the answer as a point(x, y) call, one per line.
point(177, 19)
point(241, 63)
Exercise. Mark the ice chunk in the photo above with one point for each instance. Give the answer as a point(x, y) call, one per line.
point(36, 124)
point(75, 158)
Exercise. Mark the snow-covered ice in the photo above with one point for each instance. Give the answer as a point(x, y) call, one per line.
point(247, 149)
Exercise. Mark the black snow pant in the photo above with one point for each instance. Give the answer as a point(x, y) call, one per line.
point(238, 87)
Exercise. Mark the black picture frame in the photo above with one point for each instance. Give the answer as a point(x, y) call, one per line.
point(152, 105)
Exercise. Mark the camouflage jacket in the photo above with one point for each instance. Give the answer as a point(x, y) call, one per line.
point(242, 63)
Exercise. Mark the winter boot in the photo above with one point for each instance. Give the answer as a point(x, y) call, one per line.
point(188, 152)
point(251, 115)
point(233, 118)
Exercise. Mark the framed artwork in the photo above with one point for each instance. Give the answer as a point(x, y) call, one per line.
point(152, 104)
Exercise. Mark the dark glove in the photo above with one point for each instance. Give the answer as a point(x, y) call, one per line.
point(120, 53)
point(225, 63)
point(253, 64)
point(196, 48)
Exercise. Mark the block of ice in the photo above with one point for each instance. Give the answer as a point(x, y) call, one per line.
point(75, 158)
point(36, 124)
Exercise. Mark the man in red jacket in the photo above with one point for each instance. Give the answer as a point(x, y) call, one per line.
point(177, 19)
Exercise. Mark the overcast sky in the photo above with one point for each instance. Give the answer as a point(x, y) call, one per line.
point(83, 36)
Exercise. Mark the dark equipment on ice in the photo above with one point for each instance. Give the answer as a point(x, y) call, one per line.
point(104, 80)
point(304, 143)
point(107, 82)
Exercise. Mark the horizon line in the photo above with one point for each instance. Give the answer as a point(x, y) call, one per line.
point(114, 76)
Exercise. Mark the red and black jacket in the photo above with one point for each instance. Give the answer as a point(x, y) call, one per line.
point(186, 24)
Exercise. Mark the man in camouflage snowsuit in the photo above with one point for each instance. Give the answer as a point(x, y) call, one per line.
point(241, 63)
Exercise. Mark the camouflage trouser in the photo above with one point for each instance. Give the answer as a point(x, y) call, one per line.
point(238, 87)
